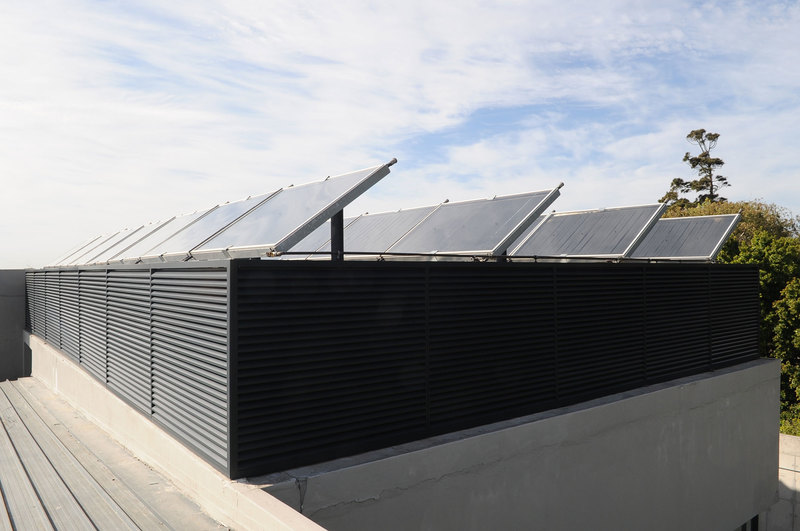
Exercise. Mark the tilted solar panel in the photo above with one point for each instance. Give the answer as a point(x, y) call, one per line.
point(610, 232)
point(687, 238)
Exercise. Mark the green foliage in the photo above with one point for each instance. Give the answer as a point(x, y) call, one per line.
point(707, 185)
point(768, 236)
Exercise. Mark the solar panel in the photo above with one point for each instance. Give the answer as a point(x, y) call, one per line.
point(318, 240)
point(289, 216)
point(483, 226)
point(73, 253)
point(687, 238)
point(159, 235)
point(610, 232)
point(88, 251)
point(128, 243)
point(120, 238)
point(178, 246)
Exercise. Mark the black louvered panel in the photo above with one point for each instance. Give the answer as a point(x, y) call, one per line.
point(52, 309)
point(39, 318)
point(93, 322)
point(492, 342)
point(70, 310)
point(30, 299)
point(331, 361)
point(678, 324)
point(129, 335)
point(600, 325)
point(734, 315)
point(190, 345)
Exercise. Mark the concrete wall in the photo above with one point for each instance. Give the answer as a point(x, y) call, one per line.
point(14, 362)
point(697, 453)
point(785, 515)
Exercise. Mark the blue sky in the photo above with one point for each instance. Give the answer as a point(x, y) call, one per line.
point(115, 114)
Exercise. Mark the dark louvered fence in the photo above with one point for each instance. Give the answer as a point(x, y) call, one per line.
point(261, 366)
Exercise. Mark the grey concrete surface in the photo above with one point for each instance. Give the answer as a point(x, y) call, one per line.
point(14, 363)
point(785, 514)
point(697, 453)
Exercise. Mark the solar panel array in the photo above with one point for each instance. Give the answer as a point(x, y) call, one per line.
point(295, 222)
point(605, 233)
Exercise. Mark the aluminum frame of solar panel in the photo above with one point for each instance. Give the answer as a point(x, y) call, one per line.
point(79, 258)
point(178, 247)
point(120, 238)
point(471, 221)
point(120, 248)
point(137, 251)
point(75, 250)
point(664, 235)
point(568, 234)
point(260, 224)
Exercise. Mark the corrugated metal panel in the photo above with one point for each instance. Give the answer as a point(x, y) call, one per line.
point(335, 359)
point(30, 299)
point(70, 313)
point(735, 315)
point(190, 357)
point(599, 320)
point(677, 334)
point(157, 338)
point(129, 335)
point(93, 321)
point(52, 308)
point(328, 358)
point(492, 342)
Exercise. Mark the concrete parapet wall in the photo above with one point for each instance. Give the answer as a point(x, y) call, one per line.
point(697, 453)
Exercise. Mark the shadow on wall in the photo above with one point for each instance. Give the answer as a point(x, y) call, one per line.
point(15, 357)
point(785, 514)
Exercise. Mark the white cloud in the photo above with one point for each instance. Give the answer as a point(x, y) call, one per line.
point(116, 114)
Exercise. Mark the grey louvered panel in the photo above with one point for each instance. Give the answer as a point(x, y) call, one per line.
point(93, 322)
point(70, 310)
point(52, 309)
point(129, 335)
point(39, 295)
point(30, 299)
point(190, 357)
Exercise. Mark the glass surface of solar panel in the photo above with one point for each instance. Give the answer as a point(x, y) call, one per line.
point(72, 253)
point(91, 250)
point(120, 238)
point(287, 212)
point(470, 226)
point(375, 233)
point(205, 227)
point(127, 243)
point(162, 233)
point(607, 232)
point(698, 237)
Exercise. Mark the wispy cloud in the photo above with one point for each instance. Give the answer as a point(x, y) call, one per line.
point(114, 114)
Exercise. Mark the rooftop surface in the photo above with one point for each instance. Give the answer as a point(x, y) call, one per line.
point(60, 471)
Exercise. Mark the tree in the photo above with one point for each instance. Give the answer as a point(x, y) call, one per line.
point(707, 185)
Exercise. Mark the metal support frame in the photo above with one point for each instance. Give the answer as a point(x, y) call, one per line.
point(337, 237)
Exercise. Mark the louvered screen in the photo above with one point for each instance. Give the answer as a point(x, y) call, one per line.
point(190, 357)
point(735, 315)
point(128, 367)
point(158, 338)
point(491, 342)
point(332, 359)
point(70, 313)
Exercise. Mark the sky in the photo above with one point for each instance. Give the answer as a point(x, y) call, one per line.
point(115, 114)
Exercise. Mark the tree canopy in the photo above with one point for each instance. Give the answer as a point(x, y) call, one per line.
point(707, 184)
